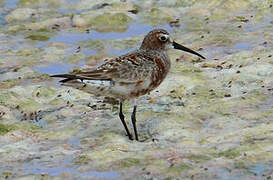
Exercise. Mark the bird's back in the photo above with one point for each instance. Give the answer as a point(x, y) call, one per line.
point(127, 76)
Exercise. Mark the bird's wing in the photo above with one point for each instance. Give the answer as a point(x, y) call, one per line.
point(128, 68)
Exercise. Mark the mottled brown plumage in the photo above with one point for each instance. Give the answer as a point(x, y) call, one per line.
point(131, 75)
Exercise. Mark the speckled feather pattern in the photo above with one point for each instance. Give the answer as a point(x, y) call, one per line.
point(130, 75)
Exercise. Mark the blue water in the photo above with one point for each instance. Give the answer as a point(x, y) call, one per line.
point(133, 30)
point(120, 52)
point(73, 38)
point(11, 3)
point(55, 68)
point(88, 52)
point(55, 171)
point(242, 46)
point(36, 167)
point(2, 18)
point(259, 169)
point(255, 27)
point(75, 142)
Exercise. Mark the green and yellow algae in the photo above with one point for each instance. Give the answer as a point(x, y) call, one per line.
point(209, 119)
point(108, 21)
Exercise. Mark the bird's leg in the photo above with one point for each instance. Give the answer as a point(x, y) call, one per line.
point(133, 117)
point(121, 116)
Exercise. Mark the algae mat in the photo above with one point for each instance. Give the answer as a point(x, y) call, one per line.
point(210, 119)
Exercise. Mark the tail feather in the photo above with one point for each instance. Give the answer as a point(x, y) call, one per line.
point(68, 77)
point(89, 85)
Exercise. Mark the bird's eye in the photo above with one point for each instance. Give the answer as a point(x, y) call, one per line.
point(163, 38)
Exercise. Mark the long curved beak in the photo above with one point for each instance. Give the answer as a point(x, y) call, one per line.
point(183, 48)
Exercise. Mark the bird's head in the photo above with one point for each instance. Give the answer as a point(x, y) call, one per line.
point(159, 39)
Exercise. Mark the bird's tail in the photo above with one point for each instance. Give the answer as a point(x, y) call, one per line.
point(96, 87)
point(67, 77)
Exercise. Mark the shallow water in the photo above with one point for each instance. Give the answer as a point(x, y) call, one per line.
point(65, 167)
point(209, 119)
point(72, 38)
point(55, 68)
point(11, 3)
point(2, 18)
point(261, 169)
point(242, 46)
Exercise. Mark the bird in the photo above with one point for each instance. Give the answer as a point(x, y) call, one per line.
point(129, 76)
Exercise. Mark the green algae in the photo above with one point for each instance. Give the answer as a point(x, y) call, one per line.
point(159, 165)
point(43, 92)
point(50, 3)
point(240, 19)
point(226, 36)
point(24, 126)
point(178, 169)
point(5, 128)
point(15, 28)
point(40, 35)
point(9, 83)
point(57, 101)
point(75, 58)
point(108, 22)
point(62, 133)
point(28, 104)
point(102, 46)
point(96, 45)
point(27, 52)
point(183, 3)
point(206, 92)
point(129, 162)
point(230, 153)
point(178, 92)
point(157, 16)
point(8, 98)
point(125, 44)
point(95, 59)
point(234, 5)
point(224, 122)
point(82, 159)
point(199, 158)
point(186, 68)
point(28, 126)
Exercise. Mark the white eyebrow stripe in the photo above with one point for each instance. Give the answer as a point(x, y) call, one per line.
point(166, 35)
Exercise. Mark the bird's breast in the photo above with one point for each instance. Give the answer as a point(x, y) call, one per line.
point(160, 71)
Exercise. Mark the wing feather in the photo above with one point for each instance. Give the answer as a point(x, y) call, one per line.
point(127, 68)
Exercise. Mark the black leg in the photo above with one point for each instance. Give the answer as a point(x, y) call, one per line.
point(121, 116)
point(134, 121)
